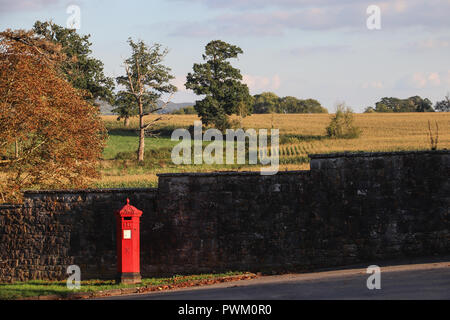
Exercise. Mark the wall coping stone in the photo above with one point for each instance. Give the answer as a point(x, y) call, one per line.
point(31, 193)
point(374, 154)
point(111, 190)
point(227, 173)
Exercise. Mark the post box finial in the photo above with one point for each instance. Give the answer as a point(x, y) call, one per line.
point(128, 201)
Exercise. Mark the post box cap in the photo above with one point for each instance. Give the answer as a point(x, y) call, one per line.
point(128, 210)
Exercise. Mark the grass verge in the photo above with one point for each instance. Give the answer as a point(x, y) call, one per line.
point(89, 288)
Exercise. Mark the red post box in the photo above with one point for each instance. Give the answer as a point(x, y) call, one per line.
point(128, 247)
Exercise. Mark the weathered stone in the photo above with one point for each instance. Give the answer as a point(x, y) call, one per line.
point(350, 208)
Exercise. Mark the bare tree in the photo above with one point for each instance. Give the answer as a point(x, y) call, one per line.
point(146, 80)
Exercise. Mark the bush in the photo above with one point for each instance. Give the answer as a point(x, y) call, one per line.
point(185, 110)
point(341, 125)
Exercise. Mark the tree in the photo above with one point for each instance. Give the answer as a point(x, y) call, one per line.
point(341, 124)
point(391, 105)
point(422, 105)
point(80, 69)
point(221, 83)
point(443, 105)
point(145, 81)
point(295, 105)
point(185, 110)
point(60, 134)
point(312, 106)
point(411, 104)
point(125, 106)
point(289, 105)
point(266, 102)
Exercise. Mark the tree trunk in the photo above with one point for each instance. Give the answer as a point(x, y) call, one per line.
point(126, 122)
point(141, 132)
point(141, 141)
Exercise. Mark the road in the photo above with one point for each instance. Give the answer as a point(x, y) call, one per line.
point(420, 281)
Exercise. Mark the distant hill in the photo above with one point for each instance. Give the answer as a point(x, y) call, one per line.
point(172, 106)
point(106, 108)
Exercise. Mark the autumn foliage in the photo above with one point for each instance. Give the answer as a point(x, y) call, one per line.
point(50, 137)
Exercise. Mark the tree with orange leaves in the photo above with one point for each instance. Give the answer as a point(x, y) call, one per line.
point(50, 137)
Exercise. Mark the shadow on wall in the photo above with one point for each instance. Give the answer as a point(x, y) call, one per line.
point(348, 209)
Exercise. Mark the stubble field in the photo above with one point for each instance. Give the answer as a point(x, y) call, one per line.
point(300, 135)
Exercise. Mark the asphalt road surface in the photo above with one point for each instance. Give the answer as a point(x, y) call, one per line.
point(421, 281)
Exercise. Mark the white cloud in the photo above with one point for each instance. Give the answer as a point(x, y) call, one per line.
point(421, 80)
point(397, 6)
point(400, 5)
point(262, 83)
point(426, 80)
point(434, 79)
point(288, 15)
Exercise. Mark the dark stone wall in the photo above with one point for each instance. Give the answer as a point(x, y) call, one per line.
point(349, 208)
point(54, 229)
point(233, 221)
point(384, 205)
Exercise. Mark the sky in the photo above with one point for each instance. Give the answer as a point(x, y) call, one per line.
point(318, 49)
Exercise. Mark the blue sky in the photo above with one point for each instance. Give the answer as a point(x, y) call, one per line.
point(318, 49)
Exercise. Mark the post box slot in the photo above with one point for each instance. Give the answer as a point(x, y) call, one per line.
point(126, 218)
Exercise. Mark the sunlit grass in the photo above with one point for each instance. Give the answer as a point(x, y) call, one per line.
point(300, 135)
point(42, 287)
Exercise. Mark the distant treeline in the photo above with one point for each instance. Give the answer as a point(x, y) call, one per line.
point(411, 104)
point(185, 110)
point(269, 102)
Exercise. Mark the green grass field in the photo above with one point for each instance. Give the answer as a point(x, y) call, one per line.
point(127, 141)
point(300, 135)
point(41, 287)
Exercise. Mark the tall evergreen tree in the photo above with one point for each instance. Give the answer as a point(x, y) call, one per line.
point(221, 83)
